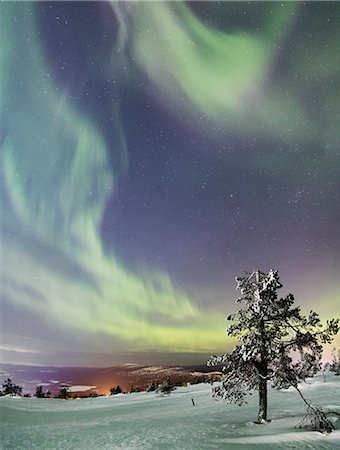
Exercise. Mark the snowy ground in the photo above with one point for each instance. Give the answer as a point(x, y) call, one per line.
point(148, 421)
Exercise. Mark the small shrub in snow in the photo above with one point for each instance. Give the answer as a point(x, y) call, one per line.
point(316, 419)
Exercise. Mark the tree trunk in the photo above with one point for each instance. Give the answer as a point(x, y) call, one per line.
point(262, 414)
point(263, 364)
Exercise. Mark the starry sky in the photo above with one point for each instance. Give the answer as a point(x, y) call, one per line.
point(150, 153)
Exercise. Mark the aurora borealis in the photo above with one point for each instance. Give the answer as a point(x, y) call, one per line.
point(150, 153)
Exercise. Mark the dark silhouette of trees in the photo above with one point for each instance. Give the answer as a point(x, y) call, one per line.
point(152, 386)
point(9, 388)
point(39, 393)
point(166, 387)
point(63, 392)
point(89, 395)
point(134, 389)
point(268, 330)
point(334, 365)
point(115, 390)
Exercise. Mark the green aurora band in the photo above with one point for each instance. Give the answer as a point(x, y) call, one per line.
point(227, 77)
point(219, 75)
point(56, 180)
point(56, 175)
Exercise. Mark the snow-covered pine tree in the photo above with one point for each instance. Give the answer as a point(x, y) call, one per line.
point(275, 342)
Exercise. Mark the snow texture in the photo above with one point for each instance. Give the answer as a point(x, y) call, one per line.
point(80, 388)
point(149, 421)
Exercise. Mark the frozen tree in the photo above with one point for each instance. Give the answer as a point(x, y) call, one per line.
point(275, 342)
point(334, 365)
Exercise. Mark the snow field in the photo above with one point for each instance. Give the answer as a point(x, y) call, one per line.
point(146, 421)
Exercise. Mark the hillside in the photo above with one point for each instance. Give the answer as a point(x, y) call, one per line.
point(147, 421)
point(101, 379)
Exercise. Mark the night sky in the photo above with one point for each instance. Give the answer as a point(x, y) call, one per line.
point(150, 153)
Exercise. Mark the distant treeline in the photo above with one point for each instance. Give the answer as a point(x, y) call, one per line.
point(162, 386)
